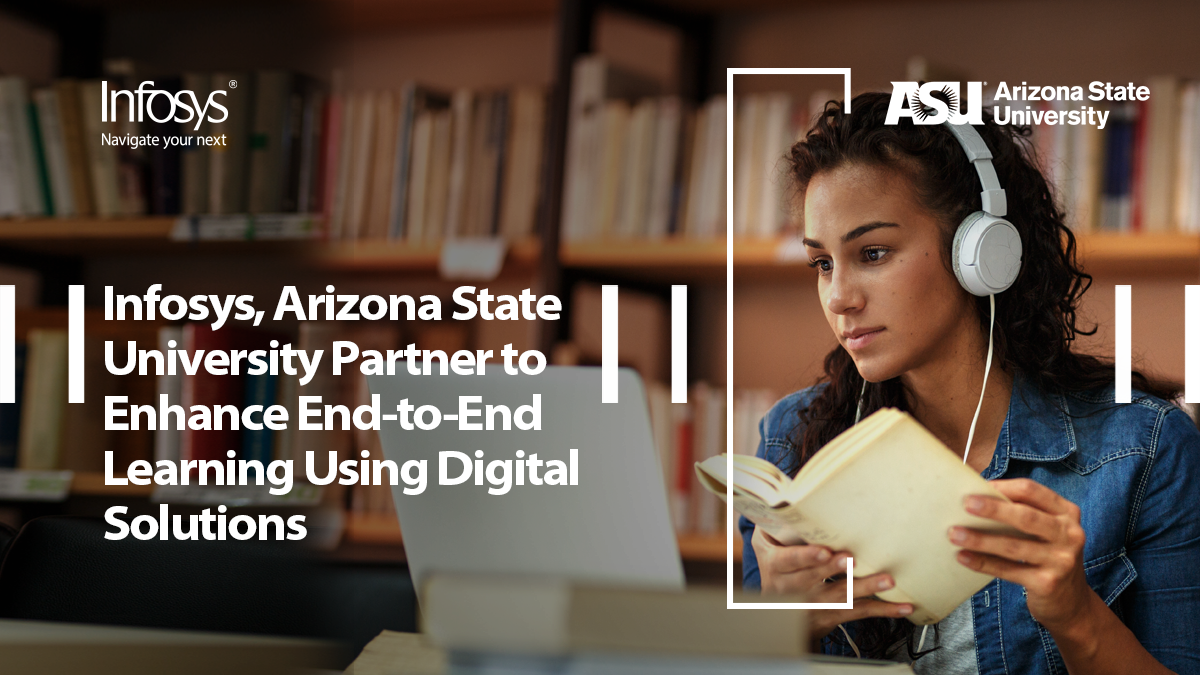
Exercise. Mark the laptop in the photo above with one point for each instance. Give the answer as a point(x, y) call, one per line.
point(611, 526)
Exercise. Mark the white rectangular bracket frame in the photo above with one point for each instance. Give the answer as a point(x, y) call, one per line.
point(730, 522)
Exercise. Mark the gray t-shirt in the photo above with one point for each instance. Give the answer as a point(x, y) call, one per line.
point(955, 635)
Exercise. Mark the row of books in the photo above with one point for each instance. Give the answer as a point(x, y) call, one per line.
point(40, 431)
point(686, 433)
point(1141, 173)
point(638, 164)
point(423, 165)
point(67, 151)
point(418, 164)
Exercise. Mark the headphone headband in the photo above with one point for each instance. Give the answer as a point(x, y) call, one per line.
point(994, 200)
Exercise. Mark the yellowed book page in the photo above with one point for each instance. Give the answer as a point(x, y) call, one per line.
point(892, 507)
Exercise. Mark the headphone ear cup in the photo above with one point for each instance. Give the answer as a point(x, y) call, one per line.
point(956, 251)
point(986, 254)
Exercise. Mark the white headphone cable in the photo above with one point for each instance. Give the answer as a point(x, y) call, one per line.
point(987, 368)
point(857, 416)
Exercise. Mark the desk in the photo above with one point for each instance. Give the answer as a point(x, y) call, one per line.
point(53, 648)
point(411, 654)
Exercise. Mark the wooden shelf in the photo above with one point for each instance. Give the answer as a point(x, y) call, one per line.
point(1102, 253)
point(384, 530)
point(708, 547)
point(91, 484)
point(123, 235)
point(1146, 254)
point(142, 227)
point(400, 256)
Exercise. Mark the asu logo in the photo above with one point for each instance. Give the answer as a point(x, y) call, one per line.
point(935, 103)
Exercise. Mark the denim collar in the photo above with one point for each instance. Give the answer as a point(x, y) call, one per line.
point(1037, 428)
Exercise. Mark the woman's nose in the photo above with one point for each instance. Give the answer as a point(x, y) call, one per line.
point(843, 294)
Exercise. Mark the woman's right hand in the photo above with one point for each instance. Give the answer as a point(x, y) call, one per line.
point(803, 569)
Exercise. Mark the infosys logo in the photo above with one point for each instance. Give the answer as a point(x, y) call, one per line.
point(935, 103)
point(141, 102)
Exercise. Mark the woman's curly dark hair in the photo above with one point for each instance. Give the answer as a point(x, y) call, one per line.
point(1036, 320)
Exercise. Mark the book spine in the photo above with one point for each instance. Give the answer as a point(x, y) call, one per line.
point(74, 146)
point(195, 170)
point(167, 438)
point(270, 141)
point(403, 159)
point(102, 159)
point(293, 136)
point(309, 187)
point(462, 107)
point(257, 443)
point(29, 189)
point(497, 140)
point(10, 414)
point(681, 468)
point(51, 119)
point(44, 401)
point(40, 162)
point(228, 163)
point(164, 160)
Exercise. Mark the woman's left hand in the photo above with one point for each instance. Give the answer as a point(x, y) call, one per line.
point(1049, 566)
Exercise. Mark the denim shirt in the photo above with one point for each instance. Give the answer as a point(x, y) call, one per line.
point(1134, 472)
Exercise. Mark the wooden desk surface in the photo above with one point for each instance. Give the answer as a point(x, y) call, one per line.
point(53, 648)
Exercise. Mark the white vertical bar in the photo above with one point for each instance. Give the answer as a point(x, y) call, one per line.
point(1124, 344)
point(608, 344)
point(730, 521)
point(75, 344)
point(8, 344)
point(679, 344)
point(1191, 339)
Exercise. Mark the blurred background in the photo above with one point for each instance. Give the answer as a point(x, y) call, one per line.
point(586, 140)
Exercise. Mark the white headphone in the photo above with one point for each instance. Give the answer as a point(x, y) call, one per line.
point(987, 248)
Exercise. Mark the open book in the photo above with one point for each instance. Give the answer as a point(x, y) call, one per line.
point(887, 491)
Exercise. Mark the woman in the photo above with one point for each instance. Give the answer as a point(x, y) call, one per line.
point(1108, 580)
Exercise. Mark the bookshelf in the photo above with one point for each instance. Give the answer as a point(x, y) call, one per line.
point(1149, 254)
point(764, 35)
point(392, 256)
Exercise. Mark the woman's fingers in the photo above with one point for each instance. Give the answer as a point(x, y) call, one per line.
point(1025, 518)
point(996, 566)
point(1004, 546)
point(796, 558)
point(835, 591)
point(1026, 491)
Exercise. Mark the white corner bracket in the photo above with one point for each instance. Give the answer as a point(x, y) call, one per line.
point(730, 521)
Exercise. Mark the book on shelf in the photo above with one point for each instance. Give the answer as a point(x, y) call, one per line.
point(1140, 173)
point(45, 399)
point(56, 163)
point(21, 189)
point(164, 165)
point(685, 433)
point(10, 413)
point(170, 385)
point(223, 395)
point(227, 166)
point(53, 434)
point(891, 467)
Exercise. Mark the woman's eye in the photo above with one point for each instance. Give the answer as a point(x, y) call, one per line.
point(823, 266)
point(874, 254)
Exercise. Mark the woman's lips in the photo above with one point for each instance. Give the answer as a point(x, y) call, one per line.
point(860, 340)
